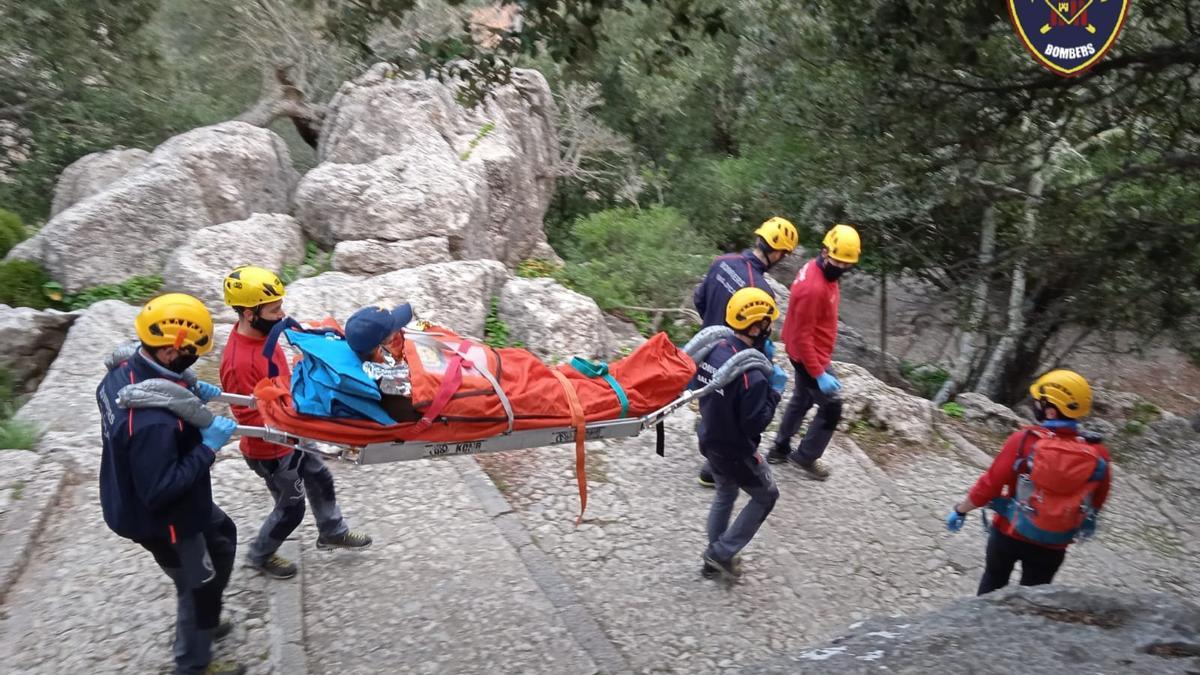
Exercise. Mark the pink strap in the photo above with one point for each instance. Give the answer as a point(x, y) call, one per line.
point(450, 384)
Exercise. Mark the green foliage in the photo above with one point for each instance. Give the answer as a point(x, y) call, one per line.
point(21, 283)
point(1134, 428)
point(953, 410)
point(316, 261)
point(12, 232)
point(927, 378)
point(627, 258)
point(479, 136)
point(135, 290)
point(1144, 412)
point(533, 268)
point(18, 435)
point(496, 333)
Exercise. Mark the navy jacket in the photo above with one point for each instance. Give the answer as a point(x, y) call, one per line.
point(154, 479)
point(733, 418)
point(727, 275)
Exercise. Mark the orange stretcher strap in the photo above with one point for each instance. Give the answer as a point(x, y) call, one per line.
point(580, 423)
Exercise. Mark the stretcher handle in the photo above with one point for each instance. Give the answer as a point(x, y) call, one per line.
point(237, 399)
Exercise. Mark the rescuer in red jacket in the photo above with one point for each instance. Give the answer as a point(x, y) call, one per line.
point(809, 334)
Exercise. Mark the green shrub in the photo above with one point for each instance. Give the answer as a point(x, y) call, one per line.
point(18, 435)
point(1145, 412)
point(12, 232)
point(927, 378)
point(496, 333)
point(135, 290)
point(953, 410)
point(21, 283)
point(626, 258)
point(534, 268)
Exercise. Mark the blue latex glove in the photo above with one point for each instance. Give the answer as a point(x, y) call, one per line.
point(828, 384)
point(218, 433)
point(205, 391)
point(769, 350)
point(955, 520)
point(1088, 529)
point(778, 379)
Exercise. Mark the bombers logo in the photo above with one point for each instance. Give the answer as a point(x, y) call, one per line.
point(1068, 36)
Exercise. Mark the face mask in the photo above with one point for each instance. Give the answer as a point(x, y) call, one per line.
point(831, 272)
point(262, 325)
point(182, 363)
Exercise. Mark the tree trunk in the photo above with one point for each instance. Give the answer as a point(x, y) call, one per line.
point(282, 97)
point(971, 339)
point(990, 381)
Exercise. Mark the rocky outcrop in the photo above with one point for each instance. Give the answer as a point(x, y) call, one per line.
point(199, 266)
point(979, 409)
point(92, 174)
point(204, 177)
point(371, 256)
point(66, 400)
point(30, 341)
point(554, 322)
point(1043, 630)
point(885, 407)
point(401, 159)
point(456, 295)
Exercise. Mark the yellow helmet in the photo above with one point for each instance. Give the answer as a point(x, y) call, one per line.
point(843, 243)
point(779, 233)
point(249, 286)
point(749, 306)
point(1065, 390)
point(176, 320)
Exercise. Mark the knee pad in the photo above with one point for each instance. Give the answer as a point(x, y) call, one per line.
point(831, 414)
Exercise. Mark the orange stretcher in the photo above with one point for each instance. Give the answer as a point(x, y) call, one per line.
point(504, 399)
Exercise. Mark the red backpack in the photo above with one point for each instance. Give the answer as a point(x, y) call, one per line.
point(1056, 480)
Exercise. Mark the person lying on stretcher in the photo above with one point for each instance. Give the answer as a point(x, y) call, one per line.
point(377, 337)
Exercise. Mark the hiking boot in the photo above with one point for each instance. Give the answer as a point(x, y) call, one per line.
point(351, 539)
point(711, 572)
point(224, 668)
point(275, 566)
point(777, 455)
point(815, 469)
point(223, 629)
point(705, 479)
point(727, 569)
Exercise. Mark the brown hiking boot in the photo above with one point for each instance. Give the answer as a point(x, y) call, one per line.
point(224, 668)
point(275, 566)
point(351, 539)
point(816, 469)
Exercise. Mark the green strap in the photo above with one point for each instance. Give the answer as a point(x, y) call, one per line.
point(596, 369)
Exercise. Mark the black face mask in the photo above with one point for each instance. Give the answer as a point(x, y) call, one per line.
point(831, 272)
point(182, 363)
point(262, 325)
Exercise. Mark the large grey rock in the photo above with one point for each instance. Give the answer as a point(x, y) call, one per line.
point(29, 342)
point(982, 410)
point(456, 295)
point(65, 403)
point(371, 256)
point(402, 159)
point(200, 264)
point(92, 174)
point(206, 176)
point(554, 322)
point(1040, 630)
point(409, 195)
point(866, 398)
point(66, 400)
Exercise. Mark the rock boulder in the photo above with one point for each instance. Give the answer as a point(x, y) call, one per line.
point(554, 322)
point(371, 256)
point(979, 409)
point(92, 174)
point(866, 398)
point(200, 264)
point(29, 342)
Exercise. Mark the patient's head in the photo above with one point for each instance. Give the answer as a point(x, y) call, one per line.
point(372, 327)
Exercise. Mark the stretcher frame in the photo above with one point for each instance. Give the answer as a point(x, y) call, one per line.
point(402, 451)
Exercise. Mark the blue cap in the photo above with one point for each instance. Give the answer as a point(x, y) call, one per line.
point(367, 328)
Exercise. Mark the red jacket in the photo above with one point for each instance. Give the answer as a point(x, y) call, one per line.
point(1000, 480)
point(810, 329)
point(243, 366)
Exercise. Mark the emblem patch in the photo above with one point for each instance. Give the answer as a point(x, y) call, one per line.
point(1068, 36)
